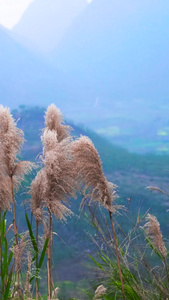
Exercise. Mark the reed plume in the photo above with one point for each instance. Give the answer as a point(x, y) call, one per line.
point(152, 230)
point(37, 191)
point(19, 251)
point(55, 293)
point(55, 183)
point(96, 186)
point(99, 292)
point(59, 171)
point(89, 172)
point(54, 122)
point(5, 192)
point(12, 170)
point(11, 140)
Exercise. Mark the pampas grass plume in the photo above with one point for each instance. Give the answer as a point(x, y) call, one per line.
point(89, 170)
point(54, 122)
point(152, 230)
point(100, 291)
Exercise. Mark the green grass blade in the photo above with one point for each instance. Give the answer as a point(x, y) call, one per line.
point(153, 248)
point(10, 258)
point(3, 227)
point(32, 278)
point(99, 265)
point(40, 260)
point(7, 289)
point(43, 253)
point(34, 244)
point(5, 263)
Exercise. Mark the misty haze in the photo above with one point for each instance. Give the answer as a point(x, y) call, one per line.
point(99, 71)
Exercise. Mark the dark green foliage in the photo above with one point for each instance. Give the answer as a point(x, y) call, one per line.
point(6, 255)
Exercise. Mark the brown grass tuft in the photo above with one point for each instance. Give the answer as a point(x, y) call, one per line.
point(152, 229)
point(89, 171)
point(11, 140)
point(100, 291)
point(54, 122)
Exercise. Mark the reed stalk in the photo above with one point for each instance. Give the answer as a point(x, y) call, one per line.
point(49, 256)
point(37, 283)
point(166, 268)
point(15, 230)
point(1, 252)
point(117, 254)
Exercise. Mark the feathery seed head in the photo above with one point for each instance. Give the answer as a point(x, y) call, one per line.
point(11, 139)
point(19, 251)
point(55, 183)
point(49, 140)
point(20, 170)
point(5, 192)
point(89, 169)
point(59, 171)
point(5, 119)
point(152, 230)
point(53, 122)
point(60, 176)
point(37, 191)
point(100, 291)
point(55, 293)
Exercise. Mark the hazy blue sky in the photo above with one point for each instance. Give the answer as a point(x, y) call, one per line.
point(12, 10)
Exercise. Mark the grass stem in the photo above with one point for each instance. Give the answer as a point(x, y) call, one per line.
point(37, 283)
point(15, 231)
point(117, 254)
point(49, 256)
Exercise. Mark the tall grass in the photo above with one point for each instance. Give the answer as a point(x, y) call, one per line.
point(143, 256)
point(125, 267)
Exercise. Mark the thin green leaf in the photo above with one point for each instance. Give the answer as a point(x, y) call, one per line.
point(34, 244)
point(99, 265)
point(32, 278)
point(3, 227)
point(43, 253)
point(5, 263)
point(153, 248)
point(7, 289)
point(10, 258)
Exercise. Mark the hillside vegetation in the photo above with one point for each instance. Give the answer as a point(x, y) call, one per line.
point(88, 234)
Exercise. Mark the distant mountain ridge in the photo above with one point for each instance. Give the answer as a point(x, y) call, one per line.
point(44, 23)
point(111, 64)
point(119, 49)
point(114, 158)
point(115, 53)
point(26, 78)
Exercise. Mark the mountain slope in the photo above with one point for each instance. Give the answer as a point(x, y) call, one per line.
point(119, 50)
point(132, 173)
point(26, 79)
point(44, 23)
point(115, 57)
point(114, 158)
